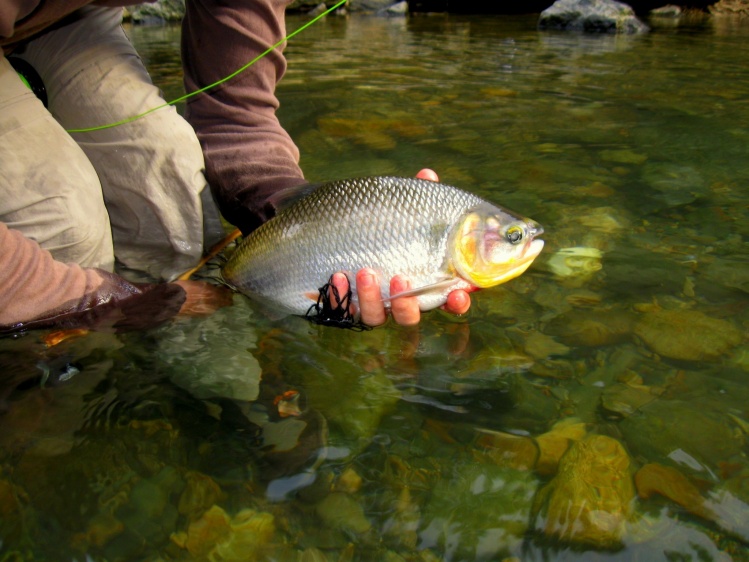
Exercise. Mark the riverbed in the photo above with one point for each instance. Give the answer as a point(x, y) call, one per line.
point(593, 408)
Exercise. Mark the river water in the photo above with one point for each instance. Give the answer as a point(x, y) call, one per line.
point(594, 408)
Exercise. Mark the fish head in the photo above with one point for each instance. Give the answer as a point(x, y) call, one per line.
point(491, 245)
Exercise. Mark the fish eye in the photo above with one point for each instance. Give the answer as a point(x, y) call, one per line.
point(514, 234)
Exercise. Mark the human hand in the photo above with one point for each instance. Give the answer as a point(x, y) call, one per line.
point(405, 310)
point(203, 299)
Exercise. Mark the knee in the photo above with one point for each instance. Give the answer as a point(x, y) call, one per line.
point(84, 238)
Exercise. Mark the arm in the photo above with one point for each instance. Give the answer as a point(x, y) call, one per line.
point(37, 292)
point(250, 159)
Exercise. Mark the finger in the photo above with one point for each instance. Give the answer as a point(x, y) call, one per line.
point(427, 174)
point(458, 302)
point(405, 309)
point(340, 282)
point(370, 300)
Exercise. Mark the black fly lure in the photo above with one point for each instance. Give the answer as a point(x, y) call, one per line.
point(332, 310)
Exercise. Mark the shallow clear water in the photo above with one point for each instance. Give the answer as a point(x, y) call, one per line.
point(595, 407)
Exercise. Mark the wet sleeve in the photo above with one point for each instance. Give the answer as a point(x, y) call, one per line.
point(250, 159)
point(38, 292)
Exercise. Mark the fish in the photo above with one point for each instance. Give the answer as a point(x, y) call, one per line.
point(441, 237)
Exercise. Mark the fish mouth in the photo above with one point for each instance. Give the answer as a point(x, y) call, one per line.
point(530, 253)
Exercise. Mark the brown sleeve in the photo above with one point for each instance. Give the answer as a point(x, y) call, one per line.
point(12, 11)
point(249, 157)
point(38, 292)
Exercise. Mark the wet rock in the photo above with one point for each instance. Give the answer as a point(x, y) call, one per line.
point(348, 482)
point(397, 9)
point(370, 5)
point(731, 8)
point(589, 501)
point(149, 512)
point(553, 444)
point(673, 184)
point(541, 346)
point(720, 507)
point(592, 328)
point(342, 511)
point(218, 537)
point(687, 335)
point(591, 16)
point(681, 434)
point(518, 452)
point(623, 156)
point(624, 400)
point(655, 478)
point(667, 11)
point(200, 493)
point(250, 534)
point(630, 270)
point(730, 271)
point(157, 13)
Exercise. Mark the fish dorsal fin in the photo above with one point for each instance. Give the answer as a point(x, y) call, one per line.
point(286, 197)
point(431, 288)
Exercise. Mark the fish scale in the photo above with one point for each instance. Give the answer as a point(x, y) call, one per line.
point(392, 225)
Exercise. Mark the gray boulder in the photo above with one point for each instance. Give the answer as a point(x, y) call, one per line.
point(157, 13)
point(591, 16)
point(370, 6)
point(383, 7)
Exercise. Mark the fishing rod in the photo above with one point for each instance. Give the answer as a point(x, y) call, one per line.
point(210, 86)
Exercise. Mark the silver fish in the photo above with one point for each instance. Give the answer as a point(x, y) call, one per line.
point(441, 237)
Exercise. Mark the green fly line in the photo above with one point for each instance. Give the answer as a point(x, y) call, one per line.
point(209, 86)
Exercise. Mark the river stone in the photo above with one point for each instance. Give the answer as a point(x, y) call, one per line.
point(687, 335)
point(155, 13)
point(590, 499)
point(731, 271)
point(591, 16)
point(673, 184)
point(682, 434)
point(592, 328)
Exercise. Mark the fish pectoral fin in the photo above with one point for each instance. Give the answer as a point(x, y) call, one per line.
point(431, 288)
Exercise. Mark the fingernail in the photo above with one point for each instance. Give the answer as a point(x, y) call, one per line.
point(402, 284)
point(367, 278)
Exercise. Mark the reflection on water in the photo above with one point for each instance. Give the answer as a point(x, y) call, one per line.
point(595, 407)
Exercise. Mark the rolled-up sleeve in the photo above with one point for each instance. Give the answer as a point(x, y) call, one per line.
point(249, 157)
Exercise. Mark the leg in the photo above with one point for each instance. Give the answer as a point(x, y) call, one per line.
point(151, 169)
point(48, 188)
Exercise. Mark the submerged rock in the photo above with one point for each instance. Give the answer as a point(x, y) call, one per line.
point(683, 434)
point(591, 16)
point(217, 536)
point(687, 335)
point(590, 500)
point(672, 184)
point(721, 507)
point(592, 328)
